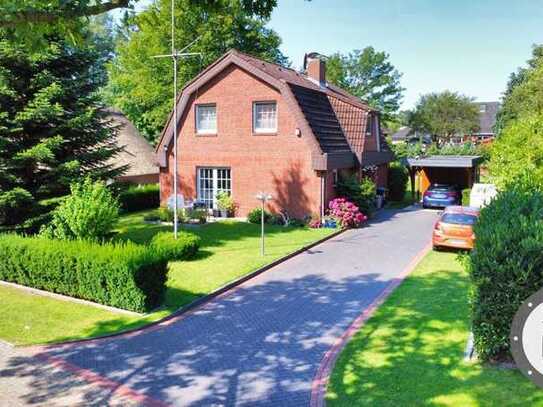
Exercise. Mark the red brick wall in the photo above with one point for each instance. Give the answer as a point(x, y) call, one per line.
point(279, 163)
point(381, 176)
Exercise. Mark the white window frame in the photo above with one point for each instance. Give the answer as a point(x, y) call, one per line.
point(196, 116)
point(265, 130)
point(219, 183)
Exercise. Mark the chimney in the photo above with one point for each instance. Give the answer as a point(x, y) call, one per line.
point(315, 68)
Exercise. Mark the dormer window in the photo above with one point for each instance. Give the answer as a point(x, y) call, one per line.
point(206, 119)
point(265, 117)
point(369, 126)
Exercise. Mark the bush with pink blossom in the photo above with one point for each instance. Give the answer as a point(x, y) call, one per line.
point(346, 213)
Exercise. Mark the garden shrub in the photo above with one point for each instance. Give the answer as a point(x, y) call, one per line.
point(88, 213)
point(361, 193)
point(397, 181)
point(127, 276)
point(256, 214)
point(506, 265)
point(139, 198)
point(184, 248)
point(346, 213)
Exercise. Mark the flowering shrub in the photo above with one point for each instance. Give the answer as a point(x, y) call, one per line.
point(346, 213)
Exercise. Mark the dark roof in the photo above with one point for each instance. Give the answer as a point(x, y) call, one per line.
point(445, 161)
point(322, 118)
point(401, 134)
point(137, 153)
point(487, 119)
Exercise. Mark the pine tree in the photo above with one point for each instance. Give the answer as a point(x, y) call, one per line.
point(52, 128)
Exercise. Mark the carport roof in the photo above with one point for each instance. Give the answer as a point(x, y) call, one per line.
point(446, 161)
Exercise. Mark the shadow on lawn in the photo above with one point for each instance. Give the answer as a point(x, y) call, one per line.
point(260, 344)
point(411, 353)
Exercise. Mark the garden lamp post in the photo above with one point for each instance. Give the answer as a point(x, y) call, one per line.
point(263, 197)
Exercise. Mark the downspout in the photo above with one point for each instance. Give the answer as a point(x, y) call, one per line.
point(323, 185)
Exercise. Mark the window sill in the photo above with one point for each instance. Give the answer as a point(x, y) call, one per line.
point(206, 134)
point(264, 133)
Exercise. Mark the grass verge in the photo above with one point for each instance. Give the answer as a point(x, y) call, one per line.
point(411, 351)
point(229, 250)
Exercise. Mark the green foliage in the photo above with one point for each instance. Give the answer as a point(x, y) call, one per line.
point(397, 181)
point(506, 264)
point(138, 82)
point(89, 213)
point(361, 193)
point(166, 214)
point(466, 193)
point(225, 201)
point(518, 149)
point(138, 198)
point(125, 276)
point(52, 129)
point(369, 75)
point(15, 206)
point(444, 115)
point(524, 93)
point(184, 247)
point(255, 216)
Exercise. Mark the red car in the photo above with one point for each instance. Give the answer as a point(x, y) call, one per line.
point(454, 228)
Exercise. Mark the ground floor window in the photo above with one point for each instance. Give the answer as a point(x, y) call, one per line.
point(210, 182)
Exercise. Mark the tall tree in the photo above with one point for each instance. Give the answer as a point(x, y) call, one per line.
point(369, 75)
point(444, 115)
point(524, 91)
point(141, 86)
point(52, 129)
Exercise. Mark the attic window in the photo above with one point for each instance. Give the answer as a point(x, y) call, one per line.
point(369, 125)
point(206, 119)
point(265, 117)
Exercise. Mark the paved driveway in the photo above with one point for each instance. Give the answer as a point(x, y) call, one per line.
point(258, 345)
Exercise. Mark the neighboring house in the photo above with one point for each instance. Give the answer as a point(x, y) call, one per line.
point(408, 135)
point(485, 134)
point(247, 126)
point(138, 154)
point(487, 119)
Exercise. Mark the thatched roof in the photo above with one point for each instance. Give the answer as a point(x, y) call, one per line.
point(138, 153)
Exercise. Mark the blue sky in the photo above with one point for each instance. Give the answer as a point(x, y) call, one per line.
point(469, 46)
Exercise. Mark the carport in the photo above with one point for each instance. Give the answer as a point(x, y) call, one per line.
point(461, 170)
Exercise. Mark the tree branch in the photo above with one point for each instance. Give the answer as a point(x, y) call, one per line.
point(46, 17)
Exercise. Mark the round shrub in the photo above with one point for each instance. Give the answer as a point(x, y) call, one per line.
point(184, 247)
point(89, 213)
point(397, 181)
point(506, 265)
point(346, 213)
point(256, 214)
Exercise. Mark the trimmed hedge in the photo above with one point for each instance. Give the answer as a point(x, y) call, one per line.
point(184, 248)
point(397, 181)
point(127, 276)
point(255, 216)
point(505, 266)
point(139, 198)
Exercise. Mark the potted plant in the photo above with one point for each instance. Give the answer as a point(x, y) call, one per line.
point(225, 203)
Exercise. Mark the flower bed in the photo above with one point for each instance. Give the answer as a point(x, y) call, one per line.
point(346, 213)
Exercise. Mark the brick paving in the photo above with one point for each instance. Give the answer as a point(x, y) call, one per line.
point(260, 344)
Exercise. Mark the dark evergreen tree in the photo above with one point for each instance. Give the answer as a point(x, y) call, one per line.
point(52, 128)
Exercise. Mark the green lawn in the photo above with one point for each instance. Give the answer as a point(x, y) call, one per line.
point(229, 250)
point(411, 351)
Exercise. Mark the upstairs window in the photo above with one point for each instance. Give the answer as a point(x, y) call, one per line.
point(206, 119)
point(265, 117)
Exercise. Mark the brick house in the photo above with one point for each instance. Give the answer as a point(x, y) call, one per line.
point(247, 126)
